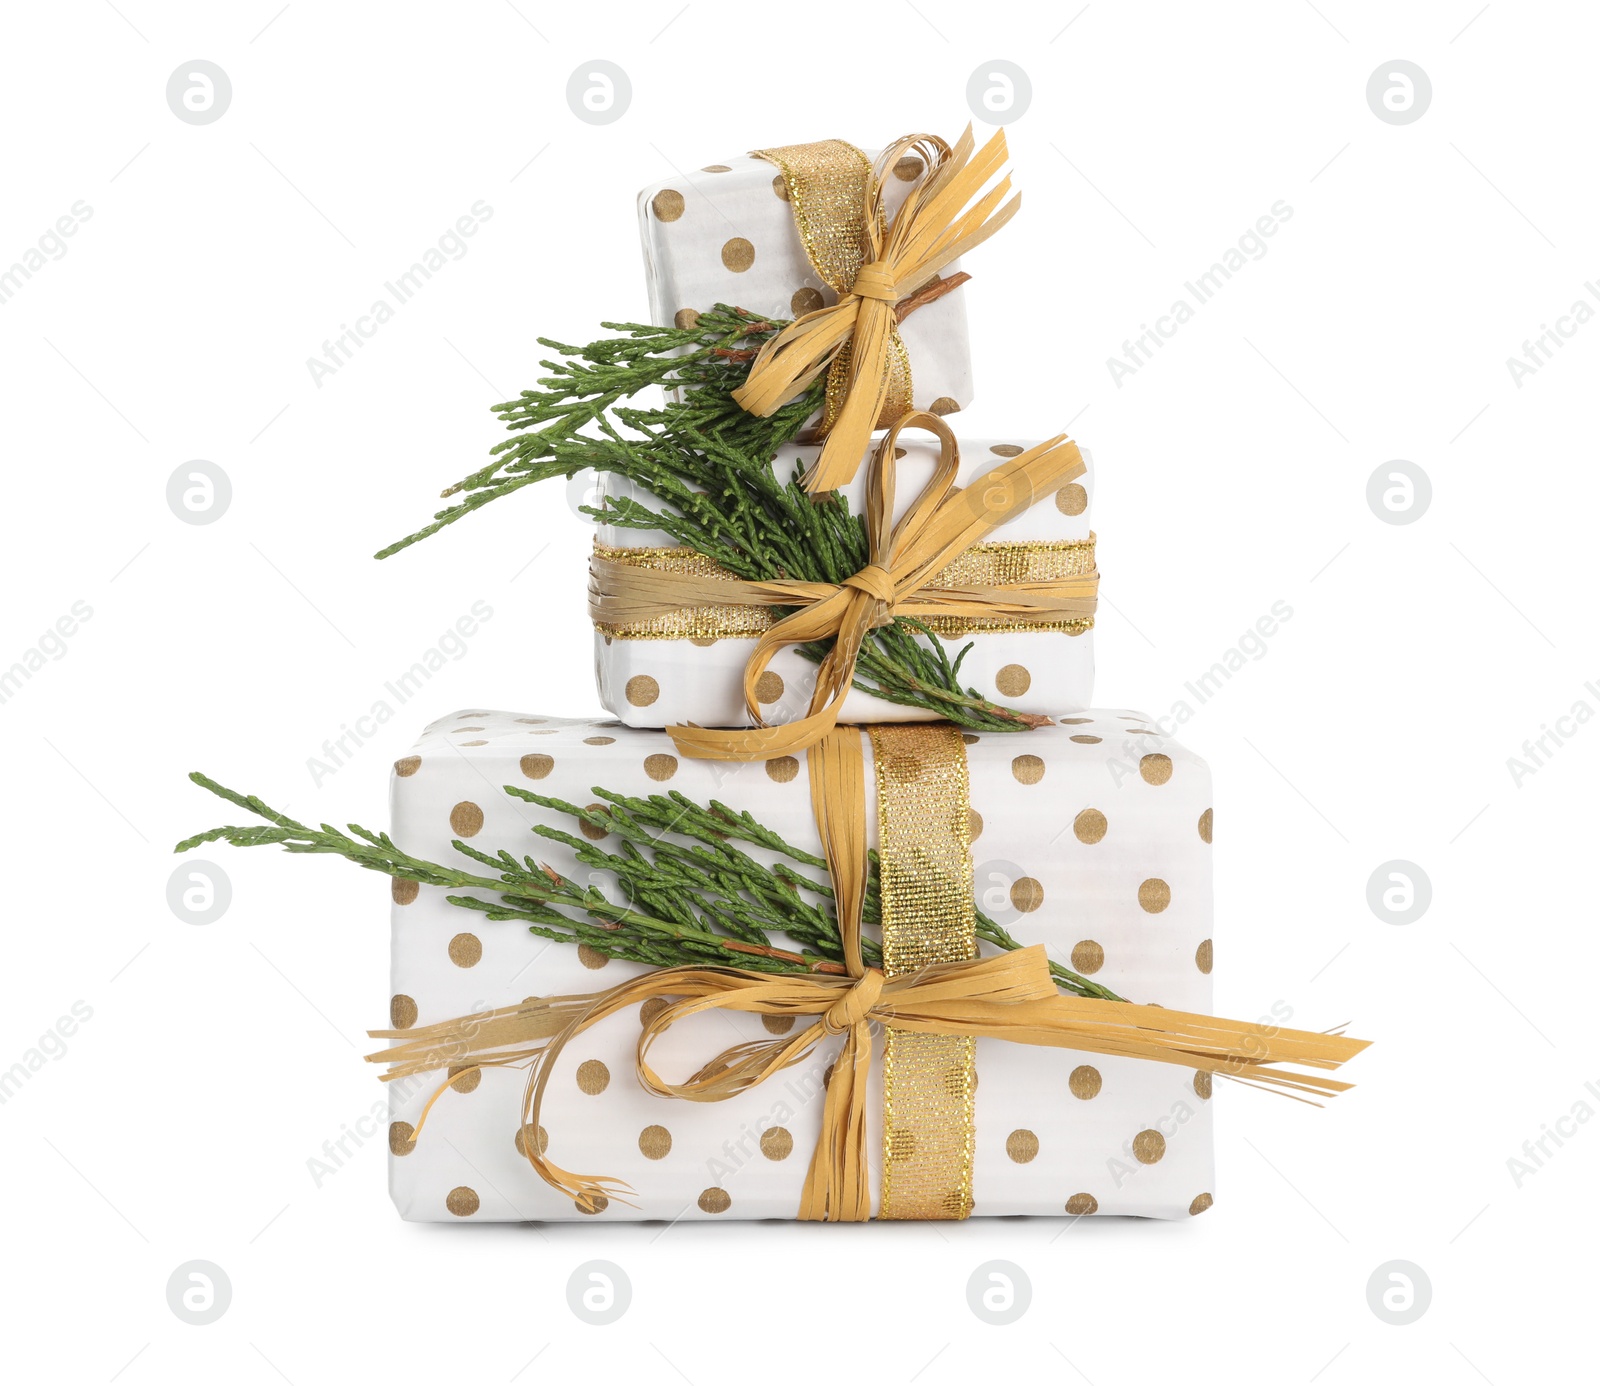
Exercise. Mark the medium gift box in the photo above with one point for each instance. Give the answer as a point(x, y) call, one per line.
point(1090, 838)
point(688, 665)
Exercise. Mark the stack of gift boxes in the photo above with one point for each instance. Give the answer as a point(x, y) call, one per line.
point(1090, 834)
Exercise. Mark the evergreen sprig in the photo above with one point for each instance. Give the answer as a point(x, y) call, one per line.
point(687, 894)
point(709, 464)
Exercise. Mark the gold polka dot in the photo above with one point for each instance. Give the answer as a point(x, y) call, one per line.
point(407, 765)
point(776, 1143)
point(1072, 499)
point(466, 818)
point(1027, 894)
point(1084, 1082)
point(591, 957)
point(402, 891)
point(537, 767)
point(1202, 956)
point(402, 1012)
point(715, 1201)
point(466, 950)
point(944, 405)
point(777, 1024)
point(908, 169)
point(594, 832)
point(598, 1205)
point(1083, 740)
point(520, 1140)
point(1204, 825)
point(686, 317)
point(479, 742)
point(769, 688)
point(974, 825)
point(716, 168)
point(462, 1201)
point(1082, 1204)
point(1013, 680)
point(805, 300)
point(1089, 826)
point(593, 1076)
point(1154, 895)
point(651, 1009)
point(780, 186)
point(667, 204)
point(661, 766)
point(902, 1144)
point(598, 741)
point(401, 1140)
point(1088, 957)
point(1202, 1084)
point(655, 1142)
point(703, 643)
point(738, 254)
point(642, 690)
point(465, 1077)
point(1006, 450)
point(1200, 1204)
point(782, 769)
point(1155, 768)
point(1022, 1145)
point(1149, 1146)
point(533, 721)
point(971, 738)
point(1027, 769)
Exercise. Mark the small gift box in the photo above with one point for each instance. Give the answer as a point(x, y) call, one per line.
point(688, 665)
point(777, 233)
point(1091, 838)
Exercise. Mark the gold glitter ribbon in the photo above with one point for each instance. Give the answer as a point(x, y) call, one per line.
point(925, 879)
point(877, 267)
point(1028, 561)
point(941, 525)
point(920, 993)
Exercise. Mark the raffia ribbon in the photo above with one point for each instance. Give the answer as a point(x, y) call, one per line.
point(942, 523)
point(874, 265)
point(1008, 996)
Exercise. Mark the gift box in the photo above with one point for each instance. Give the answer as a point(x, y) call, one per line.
point(727, 233)
point(1091, 837)
point(689, 667)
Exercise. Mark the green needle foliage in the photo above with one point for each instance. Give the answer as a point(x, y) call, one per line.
point(709, 463)
point(687, 894)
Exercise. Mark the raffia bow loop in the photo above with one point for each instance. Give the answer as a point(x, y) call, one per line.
point(878, 268)
point(942, 523)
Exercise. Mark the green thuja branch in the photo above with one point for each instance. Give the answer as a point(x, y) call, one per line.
point(709, 465)
point(685, 892)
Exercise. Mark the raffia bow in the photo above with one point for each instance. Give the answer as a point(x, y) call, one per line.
point(941, 524)
point(1009, 996)
point(874, 265)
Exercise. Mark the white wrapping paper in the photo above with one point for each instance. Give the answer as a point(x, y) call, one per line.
point(723, 234)
point(656, 683)
point(1104, 821)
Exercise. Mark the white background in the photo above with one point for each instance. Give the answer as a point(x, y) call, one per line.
point(1233, 472)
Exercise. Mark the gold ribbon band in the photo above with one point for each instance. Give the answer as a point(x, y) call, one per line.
point(942, 524)
point(1065, 564)
point(1009, 996)
point(925, 875)
point(873, 265)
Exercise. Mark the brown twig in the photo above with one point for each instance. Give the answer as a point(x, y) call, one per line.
point(933, 289)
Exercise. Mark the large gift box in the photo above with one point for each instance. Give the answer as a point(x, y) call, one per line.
point(1091, 837)
point(727, 233)
point(689, 666)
